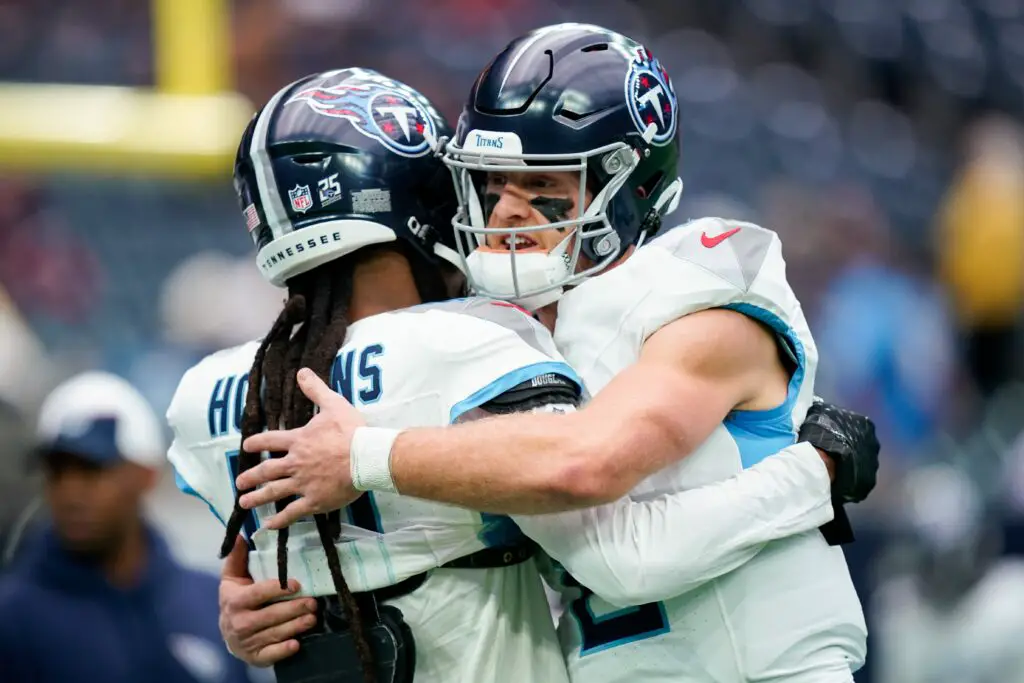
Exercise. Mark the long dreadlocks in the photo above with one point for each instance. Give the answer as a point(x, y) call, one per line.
point(319, 301)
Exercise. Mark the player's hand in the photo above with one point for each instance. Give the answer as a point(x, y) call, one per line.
point(316, 463)
point(849, 438)
point(256, 631)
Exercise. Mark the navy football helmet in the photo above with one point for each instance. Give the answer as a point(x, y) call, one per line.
point(342, 160)
point(569, 97)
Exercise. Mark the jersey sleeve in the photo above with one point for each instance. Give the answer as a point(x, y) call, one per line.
point(191, 469)
point(632, 552)
point(204, 440)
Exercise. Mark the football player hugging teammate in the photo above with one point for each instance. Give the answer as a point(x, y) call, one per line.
point(654, 447)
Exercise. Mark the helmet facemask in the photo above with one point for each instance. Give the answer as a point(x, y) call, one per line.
point(536, 279)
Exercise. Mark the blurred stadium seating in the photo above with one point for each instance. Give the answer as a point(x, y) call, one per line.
point(880, 138)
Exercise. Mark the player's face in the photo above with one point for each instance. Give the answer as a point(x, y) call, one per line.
point(528, 199)
point(92, 506)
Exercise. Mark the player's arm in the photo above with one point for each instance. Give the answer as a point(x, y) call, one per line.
point(631, 552)
point(689, 376)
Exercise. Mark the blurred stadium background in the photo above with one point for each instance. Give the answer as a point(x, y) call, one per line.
point(881, 138)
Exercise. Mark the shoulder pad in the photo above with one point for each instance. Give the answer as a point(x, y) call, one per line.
point(187, 409)
point(733, 250)
point(547, 389)
point(502, 313)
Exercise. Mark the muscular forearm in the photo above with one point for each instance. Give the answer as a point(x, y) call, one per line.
point(528, 463)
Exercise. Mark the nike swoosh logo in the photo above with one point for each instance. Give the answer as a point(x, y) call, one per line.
point(710, 242)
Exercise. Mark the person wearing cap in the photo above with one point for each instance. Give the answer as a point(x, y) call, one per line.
point(96, 595)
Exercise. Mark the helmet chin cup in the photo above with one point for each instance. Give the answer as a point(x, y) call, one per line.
point(530, 279)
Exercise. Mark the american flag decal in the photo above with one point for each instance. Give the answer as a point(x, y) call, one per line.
point(252, 219)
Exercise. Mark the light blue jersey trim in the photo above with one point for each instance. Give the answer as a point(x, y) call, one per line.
point(510, 380)
point(760, 433)
point(187, 489)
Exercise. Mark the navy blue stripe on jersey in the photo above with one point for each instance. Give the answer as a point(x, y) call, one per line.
point(510, 380)
point(760, 433)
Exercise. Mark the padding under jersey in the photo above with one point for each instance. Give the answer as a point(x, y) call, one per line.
point(804, 614)
point(424, 366)
point(545, 393)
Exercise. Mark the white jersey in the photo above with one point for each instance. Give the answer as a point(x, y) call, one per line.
point(423, 366)
point(790, 613)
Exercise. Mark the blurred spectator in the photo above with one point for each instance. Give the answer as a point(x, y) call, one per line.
point(953, 614)
point(981, 242)
point(95, 595)
point(779, 100)
point(884, 338)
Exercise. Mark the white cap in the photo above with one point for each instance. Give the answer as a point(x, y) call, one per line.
point(101, 417)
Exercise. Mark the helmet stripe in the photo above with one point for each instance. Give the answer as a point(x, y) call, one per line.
point(269, 193)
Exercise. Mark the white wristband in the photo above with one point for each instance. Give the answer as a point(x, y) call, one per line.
point(370, 459)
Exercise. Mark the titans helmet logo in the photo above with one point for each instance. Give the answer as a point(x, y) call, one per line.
point(650, 97)
point(390, 116)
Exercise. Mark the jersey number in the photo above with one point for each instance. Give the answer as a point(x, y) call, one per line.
point(627, 625)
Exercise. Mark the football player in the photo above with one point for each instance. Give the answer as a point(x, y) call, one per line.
point(351, 212)
point(693, 343)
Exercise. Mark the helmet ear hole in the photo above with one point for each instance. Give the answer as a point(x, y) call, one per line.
point(311, 159)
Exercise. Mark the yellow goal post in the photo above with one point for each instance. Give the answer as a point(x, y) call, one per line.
point(187, 125)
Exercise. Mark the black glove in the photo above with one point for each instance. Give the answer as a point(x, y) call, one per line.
point(850, 439)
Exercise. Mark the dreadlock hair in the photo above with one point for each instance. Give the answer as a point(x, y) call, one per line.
point(318, 300)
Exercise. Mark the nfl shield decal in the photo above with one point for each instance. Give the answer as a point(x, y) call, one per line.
point(650, 97)
point(301, 198)
point(378, 109)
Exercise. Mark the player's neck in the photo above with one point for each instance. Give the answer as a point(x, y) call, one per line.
point(381, 284)
point(547, 316)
